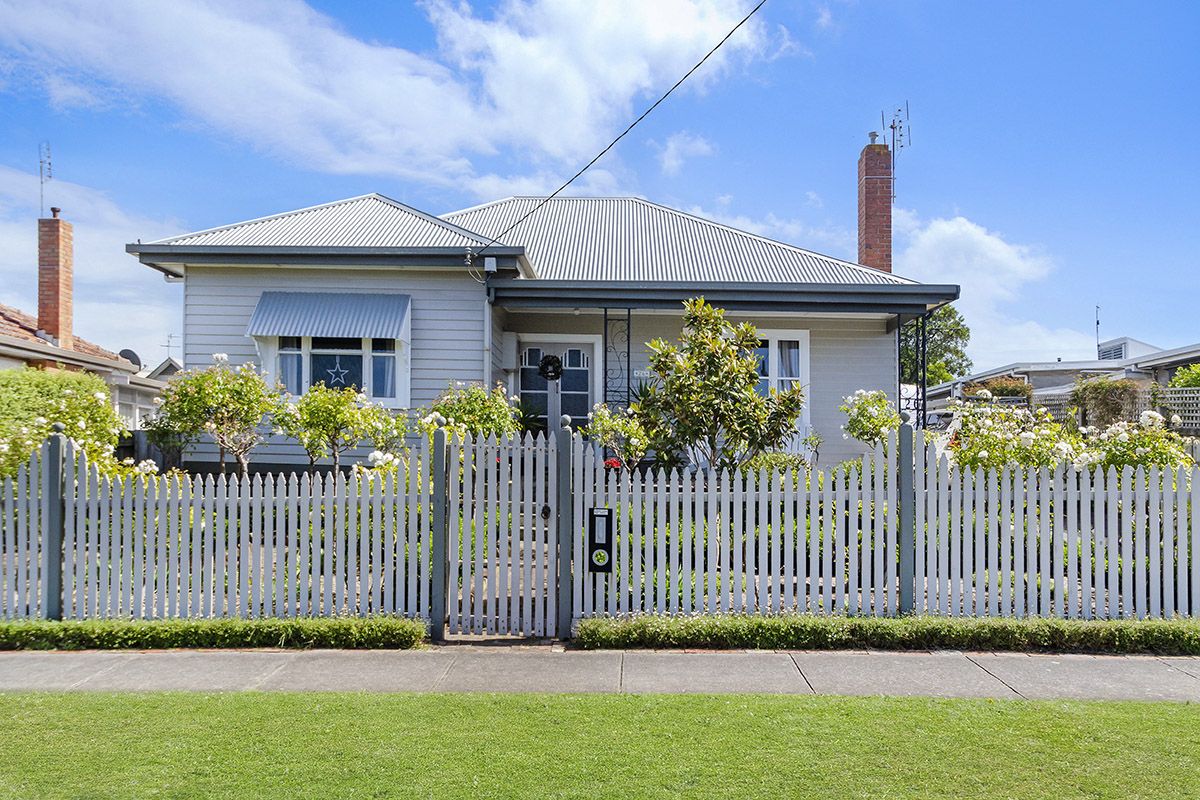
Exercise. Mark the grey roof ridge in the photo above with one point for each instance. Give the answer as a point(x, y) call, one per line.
point(858, 267)
point(284, 214)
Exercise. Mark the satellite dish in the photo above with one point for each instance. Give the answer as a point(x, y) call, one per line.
point(131, 357)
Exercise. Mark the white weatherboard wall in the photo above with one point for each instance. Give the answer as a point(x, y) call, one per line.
point(846, 354)
point(447, 324)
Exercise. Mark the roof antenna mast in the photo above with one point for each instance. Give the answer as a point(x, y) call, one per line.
point(45, 173)
point(901, 136)
point(1097, 331)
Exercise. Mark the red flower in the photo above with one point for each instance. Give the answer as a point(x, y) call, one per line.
point(612, 463)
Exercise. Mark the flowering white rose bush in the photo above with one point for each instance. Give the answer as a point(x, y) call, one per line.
point(33, 400)
point(465, 408)
point(993, 436)
point(870, 416)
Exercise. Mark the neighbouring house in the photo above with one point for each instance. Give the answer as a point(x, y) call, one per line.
point(1124, 357)
point(374, 293)
point(48, 339)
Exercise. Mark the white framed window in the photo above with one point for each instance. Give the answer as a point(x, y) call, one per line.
point(379, 368)
point(783, 361)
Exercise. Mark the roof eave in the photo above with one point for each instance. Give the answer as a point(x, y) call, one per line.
point(905, 299)
point(170, 259)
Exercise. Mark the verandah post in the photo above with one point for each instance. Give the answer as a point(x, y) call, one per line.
point(906, 501)
point(566, 527)
point(440, 535)
point(53, 530)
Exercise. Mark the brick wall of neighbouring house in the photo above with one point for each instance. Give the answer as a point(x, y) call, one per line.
point(55, 271)
point(875, 207)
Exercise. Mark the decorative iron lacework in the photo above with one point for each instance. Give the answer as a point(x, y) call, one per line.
point(618, 330)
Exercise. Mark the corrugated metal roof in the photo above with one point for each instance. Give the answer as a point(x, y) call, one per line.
point(371, 220)
point(630, 239)
point(383, 316)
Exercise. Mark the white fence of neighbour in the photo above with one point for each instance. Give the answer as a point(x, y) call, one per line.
point(154, 547)
point(503, 536)
point(735, 541)
point(491, 536)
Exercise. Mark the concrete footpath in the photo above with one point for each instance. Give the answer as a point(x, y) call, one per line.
point(551, 668)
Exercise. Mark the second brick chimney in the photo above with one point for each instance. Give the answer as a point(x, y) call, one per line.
point(56, 263)
point(875, 206)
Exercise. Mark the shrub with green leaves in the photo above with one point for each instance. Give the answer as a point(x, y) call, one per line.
point(1186, 377)
point(469, 408)
point(870, 416)
point(376, 632)
point(230, 404)
point(807, 632)
point(1002, 387)
point(33, 400)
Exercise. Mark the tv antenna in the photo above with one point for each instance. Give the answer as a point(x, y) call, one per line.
point(45, 173)
point(1097, 331)
point(170, 345)
point(901, 132)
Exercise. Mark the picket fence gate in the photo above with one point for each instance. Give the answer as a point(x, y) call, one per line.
point(491, 536)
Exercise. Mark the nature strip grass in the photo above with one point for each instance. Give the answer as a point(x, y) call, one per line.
point(807, 632)
point(378, 632)
point(274, 744)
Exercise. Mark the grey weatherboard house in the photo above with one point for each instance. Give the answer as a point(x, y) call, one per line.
point(371, 292)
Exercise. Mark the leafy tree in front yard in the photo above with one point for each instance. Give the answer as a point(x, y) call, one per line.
point(946, 352)
point(703, 398)
point(228, 403)
point(326, 422)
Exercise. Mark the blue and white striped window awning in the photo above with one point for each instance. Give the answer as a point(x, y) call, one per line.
point(342, 314)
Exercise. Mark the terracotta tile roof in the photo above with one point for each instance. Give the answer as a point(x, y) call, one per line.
point(18, 324)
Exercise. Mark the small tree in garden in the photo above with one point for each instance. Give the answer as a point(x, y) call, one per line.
point(33, 400)
point(230, 404)
point(471, 409)
point(1002, 387)
point(619, 432)
point(703, 396)
point(870, 416)
point(326, 422)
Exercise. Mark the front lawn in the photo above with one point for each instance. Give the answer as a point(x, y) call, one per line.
point(463, 745)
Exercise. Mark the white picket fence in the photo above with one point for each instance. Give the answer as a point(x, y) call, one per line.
point(1062, 543)
point(503, 536)
point(159, 547)
point(726, 541)
point(1014, 542)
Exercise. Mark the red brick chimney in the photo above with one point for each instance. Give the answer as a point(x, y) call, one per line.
point(56, 263)
point(875, 206)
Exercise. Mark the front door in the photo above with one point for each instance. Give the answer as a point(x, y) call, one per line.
point(547, 398)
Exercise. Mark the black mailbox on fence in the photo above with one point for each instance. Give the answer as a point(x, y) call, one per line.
point(600, 540)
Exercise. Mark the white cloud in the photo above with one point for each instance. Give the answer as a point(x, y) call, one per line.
point(679, 148)
point(994, 275)
point(118, 302)
point(824, 18)
point(827, 239)
point(550, 80)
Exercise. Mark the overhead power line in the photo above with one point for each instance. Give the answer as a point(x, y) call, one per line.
point(623, 133)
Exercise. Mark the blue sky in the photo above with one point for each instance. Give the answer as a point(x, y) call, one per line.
point(1051, 166)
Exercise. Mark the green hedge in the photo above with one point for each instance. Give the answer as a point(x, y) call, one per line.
point(805, 632)
point(381, 633)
